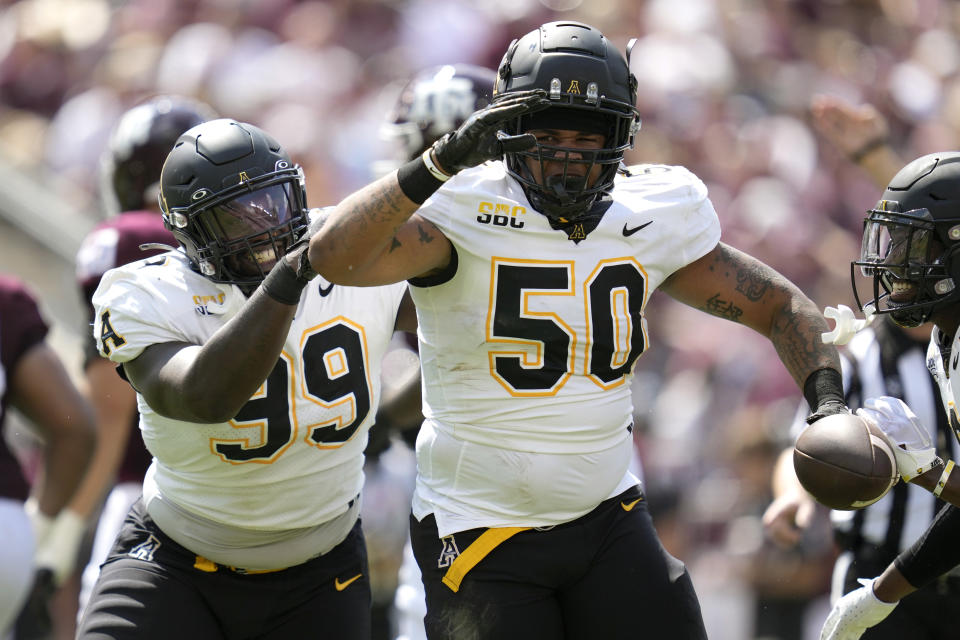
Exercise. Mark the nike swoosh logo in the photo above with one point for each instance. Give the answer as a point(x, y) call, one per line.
point(628, 506)
point(325, 292)
point(340, 586)
point(630, 232)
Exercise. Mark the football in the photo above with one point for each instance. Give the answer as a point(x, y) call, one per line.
point(844, 462)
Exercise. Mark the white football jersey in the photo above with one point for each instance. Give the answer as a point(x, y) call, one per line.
point(530, 345)
point(292, 458)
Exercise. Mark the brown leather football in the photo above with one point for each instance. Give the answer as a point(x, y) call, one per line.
point(844, 462)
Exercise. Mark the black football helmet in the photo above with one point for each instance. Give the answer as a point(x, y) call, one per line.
point(138, 145)
point(433, 103)
point(591, 88)
point(233, 199)
point(911, 240)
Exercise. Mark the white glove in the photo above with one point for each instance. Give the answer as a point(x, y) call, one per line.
point(847, 324)
point(855, 612)
point(910, 441)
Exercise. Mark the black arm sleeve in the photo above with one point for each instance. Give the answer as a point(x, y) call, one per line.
point(936, 551)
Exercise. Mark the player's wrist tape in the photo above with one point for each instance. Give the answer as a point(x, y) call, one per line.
point(417, 181)
point(944, 478)
point(823, 389)
point(58, 550)
point(282, 283)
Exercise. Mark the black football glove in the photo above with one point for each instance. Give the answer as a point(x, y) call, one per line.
point(297, 259)
point(286, 280)
point(34, 621)
point(479, 138)
point(296, 255)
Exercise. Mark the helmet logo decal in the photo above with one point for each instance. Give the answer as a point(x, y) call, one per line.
point(574, 87)
point(199, 194)
point(244, 177)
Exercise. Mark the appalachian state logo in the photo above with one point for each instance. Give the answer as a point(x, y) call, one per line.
point(145, 550)
point(449, 552)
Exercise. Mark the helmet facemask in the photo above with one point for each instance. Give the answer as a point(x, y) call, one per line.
point(238, 234)
point(908, 265)
point(569, 193)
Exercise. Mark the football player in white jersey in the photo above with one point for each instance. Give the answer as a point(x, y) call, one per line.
point(531, 274)
point(256, 386)
point(909, 254)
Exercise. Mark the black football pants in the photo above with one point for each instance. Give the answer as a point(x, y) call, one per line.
point(604, 575)
point(151, 588)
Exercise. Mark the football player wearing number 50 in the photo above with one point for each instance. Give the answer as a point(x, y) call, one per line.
point(532, 252)
point(256, 385)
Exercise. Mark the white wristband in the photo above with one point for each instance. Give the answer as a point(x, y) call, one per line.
point(433, 168)
point(58, 550)
point(944, 477)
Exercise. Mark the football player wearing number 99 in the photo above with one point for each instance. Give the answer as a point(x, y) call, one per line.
point(256, 385)
point(532, 253)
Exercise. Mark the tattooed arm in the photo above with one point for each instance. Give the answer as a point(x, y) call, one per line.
point(730, 284)
point(374, 237)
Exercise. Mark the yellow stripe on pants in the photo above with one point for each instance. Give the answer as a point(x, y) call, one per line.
point(477, 551)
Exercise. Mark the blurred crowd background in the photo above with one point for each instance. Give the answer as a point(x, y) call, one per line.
point(724, 89)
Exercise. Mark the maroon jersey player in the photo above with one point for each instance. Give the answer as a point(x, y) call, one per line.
point(40, 535)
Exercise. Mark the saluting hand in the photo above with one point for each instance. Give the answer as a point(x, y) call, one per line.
point(480, 139)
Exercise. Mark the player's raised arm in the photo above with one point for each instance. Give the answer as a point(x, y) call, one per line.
point(370, 238)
